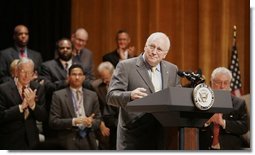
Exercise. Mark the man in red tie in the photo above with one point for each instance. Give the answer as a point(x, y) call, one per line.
point(20, 109)
point(17, 51)
point(223, 131)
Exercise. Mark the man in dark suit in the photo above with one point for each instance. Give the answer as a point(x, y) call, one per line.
point(134, 79)
point(21, 105)
point(107, 139)
point(81, 54)
point(123, 51)
point(75, 113)
point(223, 131)
point(55, 74)
point(19, 50)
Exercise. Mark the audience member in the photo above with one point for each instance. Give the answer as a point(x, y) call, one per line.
point(107, 141)
point(75, 113)
point(223, 131)
point(19, 50)
point(136, 78)
point(81, 54)
point(123, 51)
point(55, 74)
point(21, 105)
point(13, 68)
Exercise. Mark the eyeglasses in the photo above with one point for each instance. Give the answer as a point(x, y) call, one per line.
point(154, 47)
point(29, 73)
point(220, 83)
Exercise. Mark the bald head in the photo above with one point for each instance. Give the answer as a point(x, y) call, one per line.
point(21, 35)
point(159, 37)
point(79, 39)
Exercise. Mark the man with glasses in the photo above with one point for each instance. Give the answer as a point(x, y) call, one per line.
point(223, 131)
point(134, 79)
point(21, 105)
point(81, 54)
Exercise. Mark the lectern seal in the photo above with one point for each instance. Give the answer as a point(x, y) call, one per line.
point(203, 97)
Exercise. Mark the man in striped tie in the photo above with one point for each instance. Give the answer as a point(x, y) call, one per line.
point(21, 105)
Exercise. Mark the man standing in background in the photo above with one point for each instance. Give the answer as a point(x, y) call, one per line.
point(123, 51)
point(19, 50)
point(81, 54)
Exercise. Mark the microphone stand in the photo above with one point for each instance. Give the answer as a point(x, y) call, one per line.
point(195, 79)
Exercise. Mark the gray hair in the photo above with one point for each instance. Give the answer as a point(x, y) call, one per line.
point(24, 61)
point(159, 35)
point(221, 70)
point(105, 66)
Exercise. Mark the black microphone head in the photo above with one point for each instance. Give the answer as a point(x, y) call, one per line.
point(180, 73)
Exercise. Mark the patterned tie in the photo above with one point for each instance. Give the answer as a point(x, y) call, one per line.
point(78, 96)
point(154, 80)
point(216, 132)
point(66, 66)
point(26, 111)
point(82, 129)
point(22, 52)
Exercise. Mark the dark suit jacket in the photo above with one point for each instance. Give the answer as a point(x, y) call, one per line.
point(55, 75)
point(61, 115)
point(138, 130)
point(113, 57)
point(55, 78)
point(9, 54)
point(236, 125)
point(106, 110)
point(86, 60)
point(15, 132)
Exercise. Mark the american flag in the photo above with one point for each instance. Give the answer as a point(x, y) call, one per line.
point(234, 68)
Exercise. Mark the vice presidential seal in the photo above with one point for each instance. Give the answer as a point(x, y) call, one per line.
point(203, 97)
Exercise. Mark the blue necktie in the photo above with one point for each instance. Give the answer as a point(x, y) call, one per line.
point(83, 131)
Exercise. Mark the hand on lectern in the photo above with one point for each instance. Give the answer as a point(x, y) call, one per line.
point(216, 119)
point(138, 93)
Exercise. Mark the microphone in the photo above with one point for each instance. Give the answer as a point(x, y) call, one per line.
point(189, 75)
point(194, 78)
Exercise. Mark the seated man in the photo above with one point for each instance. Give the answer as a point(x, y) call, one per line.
point(75, 113)
point(107, 140)
point(224, 131)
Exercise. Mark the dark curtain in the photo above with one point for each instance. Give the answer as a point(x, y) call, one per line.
point(47, 21)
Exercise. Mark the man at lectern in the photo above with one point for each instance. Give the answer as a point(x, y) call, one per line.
point(136, 78)
point(223, 131)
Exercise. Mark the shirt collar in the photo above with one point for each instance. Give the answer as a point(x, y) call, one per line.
point(148, 66)
point(74, 89)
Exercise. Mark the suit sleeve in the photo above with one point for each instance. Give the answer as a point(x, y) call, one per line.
point(236, 121)
point(56, 120)
point(117, 94)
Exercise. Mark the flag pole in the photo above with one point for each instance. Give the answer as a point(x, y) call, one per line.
point(234, 35)
point(234, 66)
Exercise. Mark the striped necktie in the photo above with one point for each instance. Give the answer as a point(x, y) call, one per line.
point(154, 79)
point(26, 111)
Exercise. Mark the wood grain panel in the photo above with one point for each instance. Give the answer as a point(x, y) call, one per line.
point(200, 32)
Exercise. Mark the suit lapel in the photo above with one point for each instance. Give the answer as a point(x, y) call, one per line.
point(86, 103)
point(15, 54)
point(69, 102)
point(62, 72)
point(15, 93)
point(165, 75)
point(142, 70)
